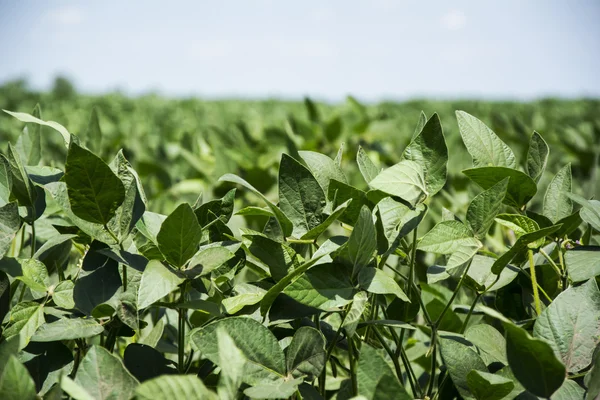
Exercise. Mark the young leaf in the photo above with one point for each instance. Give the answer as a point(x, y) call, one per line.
point(246, 295)
point(301, 197)
point(533, 362)
point(24, 117)
point(315, 232)
point(485, 147)
point(375, 376)
point(537, 156)
point(323, 168)
point(95, 192)
point(521, 188)
point(10, 224)
point(104, 376)
point(179, 236)
point(359, 304)
point(374, 280)
point(157, 282)
point(405, 180)
point(256, 342)
point(429, 150)
point(29, 144)
point(367, 168)
point(484, 208)
point(305, 356)
point(362, 243)
point(15, 381)
point(22, 188)
point(420, 124)
point(448, 237)
point(67, 329)
point(590, 212)
point(583, 263)
point(557, 204)
point(570, 325)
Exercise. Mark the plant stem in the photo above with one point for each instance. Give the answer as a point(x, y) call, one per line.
point(561, 259)
point(541, 289)
point(431, 381)
point(390, 353)
point(111, 338)
point(413, 259)
point(536, 295)
point(352, 359)
point(460, 282)
point(551, 262)
point(181, 331)
point(466, 322)
point(32, 239)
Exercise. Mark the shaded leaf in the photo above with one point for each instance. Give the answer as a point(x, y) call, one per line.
point(557, 204)
point(179, 235)
point(537, 156)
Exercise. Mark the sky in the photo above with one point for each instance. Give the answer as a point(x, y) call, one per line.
point(372, 49)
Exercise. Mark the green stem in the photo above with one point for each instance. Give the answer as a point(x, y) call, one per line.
point(541, 289)
point(413, 259)
point(32, 239)
point(412, 377)
point(371, 316)
point(466, 322)
point(536, 295)
point(561, 260)
point(460, 282)
point(111, 338)
point(431, 382)
point(551, 262)
point(390, 353)
point(352, 359)
point(181, 331)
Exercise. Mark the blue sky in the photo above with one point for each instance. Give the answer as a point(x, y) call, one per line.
point(376, 49)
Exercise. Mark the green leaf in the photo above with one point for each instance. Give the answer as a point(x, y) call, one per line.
point(490, 342)
point(146, 363)
point(375, 376)
point(405, 179)
point(209, 258)
point(537, 156)
point(97, 288)
point(93, 133)
point(232, 362)
point(570, 325)
point(325, 286)
point(179, 236)
point(590, 212)
point(592, 378)
point(157, 282)
point(359, 304)
point(583, 263)
point(152, 337)
point(340, 193)
point(29, 144)
point(5, 180)
point(367, 168)
point(301, 197)
point(15, 381)
point(533, 362)
point(460, 358)
point(484, 208)
point(256, 342)
point(10, 224)
point(95, 192)
point(485, 147)
point(74, 390)
point(279, 258)
point(429, 150)
point(5, 299)
point(169, 387)
point(447, 237)
point(67, 329)
point(398, 220)
point(305, 356)
point(23, 189)
point(323, 168)
point(481, 274)
point(420, 124)
point(25, 319)
point(280, 389)
point(35, 276)
point(486, 386)
point(362, 243)
point(24, 117)
point(374, 280)
point(557, 204)
point(282, 219)
point(315, 232)
point(519, 224)
point(104, 376)
point(246, 295)
point(570, 390)
point(521, 188)
point(62, 294)
point(222, 208)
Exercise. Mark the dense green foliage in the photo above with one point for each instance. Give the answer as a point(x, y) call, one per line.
point(429, 256)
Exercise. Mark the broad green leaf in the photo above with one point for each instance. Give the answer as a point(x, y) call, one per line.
point(145, 362)
point(484, 208)
point(97, 288)
point(405, 179)
point(280, 389)
point(533, 362)
point(74, 390)
point(490, 342)
point(104, 376)
point(15, 381)
point(222, 208)
point(25, 319)
point(367, 168)
point(35, 276)
point(583, 263)
point(521, 188)
point(232, 362)
point(29, 144)
point(447, 237)
point(570, 390)
point(590, 212)
point(592, 378)
point(570, 325)
point(179, 236)
point(519, 224)
point(95, 192)
point(398, 220)
point(485, 147)
point(256, 342)
point(481, 274)
point(323, 168)
point(325, 286)
point(557, 204)
point(388, 323)
point(305, 356)
point(170, 387)
point(5, 180)
point(24, 117)
point(359, 304)
point(374, 280)
point(282, 219)
point(429, 150)
point(22, 188)
point(486, 386)
point(339, 193)
point(420, 124)
point(279, 258)
point(362, 243)
point(255, 211)
point(10, 224)
point(537, 156)
point(460, 359)
point(375, 376)
point(207, 259)
point(62, 294)
point(301, 197)
point(312, 111)
point(5, 299)
point(152, 337)
point(67, 329)
point(246, 294)
point(93, 133)
point(157, 282)
point(315, 232)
